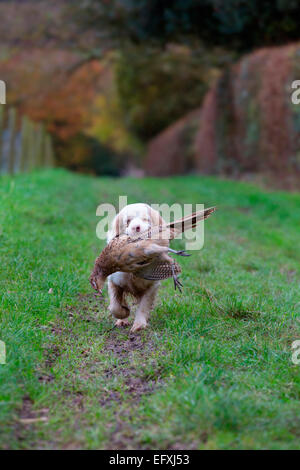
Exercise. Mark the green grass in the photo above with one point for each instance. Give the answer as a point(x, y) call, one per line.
point(214, 369)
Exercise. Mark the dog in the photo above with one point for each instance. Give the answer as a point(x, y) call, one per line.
point(131, 220)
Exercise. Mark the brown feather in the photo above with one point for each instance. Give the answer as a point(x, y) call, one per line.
point(144, 255)
point(159, 270)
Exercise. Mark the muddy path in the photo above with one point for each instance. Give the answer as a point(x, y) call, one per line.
point(120, 364)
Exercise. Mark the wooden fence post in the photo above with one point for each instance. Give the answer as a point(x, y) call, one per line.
point(25, 129)
point(49, 153)
point(12, 126)
point(1, 138)
point(23, 147)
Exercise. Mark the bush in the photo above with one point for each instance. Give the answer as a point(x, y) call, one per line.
point(158, 86)
point(86, 154)
point(240, 24)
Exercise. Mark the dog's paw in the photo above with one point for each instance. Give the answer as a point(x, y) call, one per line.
point(120, 311)
point(137, 326)
point(120, 323)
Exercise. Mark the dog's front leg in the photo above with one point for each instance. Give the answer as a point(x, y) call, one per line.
point(118, 306)
point(144, 308)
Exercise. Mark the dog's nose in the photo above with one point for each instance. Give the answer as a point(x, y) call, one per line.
point(137, 228)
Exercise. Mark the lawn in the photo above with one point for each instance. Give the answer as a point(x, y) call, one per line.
point(214, 368)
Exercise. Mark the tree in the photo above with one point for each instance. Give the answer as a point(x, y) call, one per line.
point(238, 24)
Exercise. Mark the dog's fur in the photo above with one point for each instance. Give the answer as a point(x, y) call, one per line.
point(131, 220)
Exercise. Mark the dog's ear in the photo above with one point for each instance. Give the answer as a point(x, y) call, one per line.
point(116, 228)
point(155, 218)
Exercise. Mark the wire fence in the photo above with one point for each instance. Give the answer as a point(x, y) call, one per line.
point(24, 145)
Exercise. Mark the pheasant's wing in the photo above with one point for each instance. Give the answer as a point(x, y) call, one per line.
point(159, 270)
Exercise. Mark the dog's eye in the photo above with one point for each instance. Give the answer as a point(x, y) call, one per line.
point(128, 222)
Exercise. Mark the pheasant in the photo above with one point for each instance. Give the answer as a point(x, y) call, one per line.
point(146, 254)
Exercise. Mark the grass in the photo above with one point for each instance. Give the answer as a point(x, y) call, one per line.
point(214, 369)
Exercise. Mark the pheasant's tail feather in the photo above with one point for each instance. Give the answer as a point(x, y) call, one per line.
point(190, 221)
point(169, 231)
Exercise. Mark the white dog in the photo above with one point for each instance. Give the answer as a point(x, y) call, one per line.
point(132, 219)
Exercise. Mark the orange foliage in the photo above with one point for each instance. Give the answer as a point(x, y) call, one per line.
point(48, 86)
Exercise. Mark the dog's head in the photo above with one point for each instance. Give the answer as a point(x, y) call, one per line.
point(133, 219)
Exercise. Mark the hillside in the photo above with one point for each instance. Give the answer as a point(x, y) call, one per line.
point(246, 124)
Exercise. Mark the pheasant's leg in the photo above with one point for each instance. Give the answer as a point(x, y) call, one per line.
point(118, 306)
point(143, 311)
point(177, 283)
point(179, 253)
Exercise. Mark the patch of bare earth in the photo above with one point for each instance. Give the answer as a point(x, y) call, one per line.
point(136, 384)
point(26, 418)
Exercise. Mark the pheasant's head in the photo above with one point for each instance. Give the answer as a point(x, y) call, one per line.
point(97, 281)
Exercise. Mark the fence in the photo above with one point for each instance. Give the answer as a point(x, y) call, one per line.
point(24, 145)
